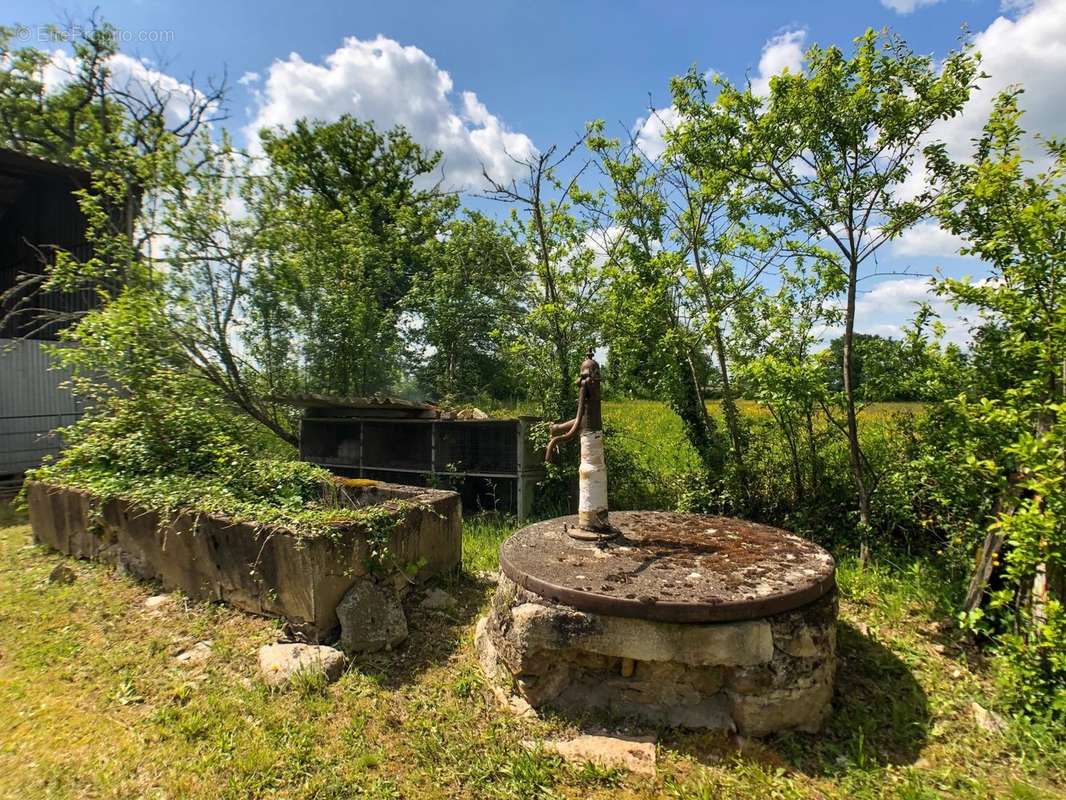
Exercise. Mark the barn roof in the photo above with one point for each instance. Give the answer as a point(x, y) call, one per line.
point(392, 406)
point(13, 161)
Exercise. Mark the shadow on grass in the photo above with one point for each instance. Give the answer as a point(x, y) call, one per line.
point(434, 635)
point(880, 712)
point(880, 716)
point(11, 514)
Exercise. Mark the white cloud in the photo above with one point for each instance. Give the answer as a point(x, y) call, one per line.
point(132, 75)
point(892, 303)
point(928, 239)
point(894, 295)
point(248, 78)
point(1029, 50)
point(907, 6)
point(784, 51)
point(137, 74)
point(601, 240)
point(779, 53)
point(60, 69)
point(390, 84)
point(651, 130)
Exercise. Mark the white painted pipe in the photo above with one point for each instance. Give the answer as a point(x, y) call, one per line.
point(592, 483)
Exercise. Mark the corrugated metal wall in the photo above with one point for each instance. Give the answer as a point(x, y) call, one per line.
point(32, 404)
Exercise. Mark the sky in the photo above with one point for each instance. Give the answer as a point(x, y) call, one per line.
point(480, 80)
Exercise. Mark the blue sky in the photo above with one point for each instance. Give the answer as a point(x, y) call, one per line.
point(479, 79)
point(542, 67)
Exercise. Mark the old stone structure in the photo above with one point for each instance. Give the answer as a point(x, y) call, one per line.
point(764, 663)
point(274, 572)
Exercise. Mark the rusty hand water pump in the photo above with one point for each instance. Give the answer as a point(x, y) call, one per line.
point(592, 474)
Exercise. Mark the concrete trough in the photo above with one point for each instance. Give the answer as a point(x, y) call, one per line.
point(270, 571)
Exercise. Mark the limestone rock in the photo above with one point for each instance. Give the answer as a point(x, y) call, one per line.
point(634, 753)
point(371, 618)
point(197, 654)
point(679, 706)
point(753, 677)
point(158, 601)
point(722, 644)
point(278, 663)
point(436, 599)
point(62, 574)
point(536, 628)
point(541, 689)
point(486, 651)
point(512, 704)
point(804, 709)
point(988, 720)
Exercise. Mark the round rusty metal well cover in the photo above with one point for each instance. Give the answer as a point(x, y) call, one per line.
point(671, 567)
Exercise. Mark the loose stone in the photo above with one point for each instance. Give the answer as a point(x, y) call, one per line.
point(371, 618)
point(157, 601)
point(437, 599)
point(634, 753)
point(197, 654)
point(279, 663)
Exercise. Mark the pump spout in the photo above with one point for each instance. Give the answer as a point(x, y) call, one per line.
point(592, 474)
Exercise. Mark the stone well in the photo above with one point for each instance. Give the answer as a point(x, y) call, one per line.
point(682, 620)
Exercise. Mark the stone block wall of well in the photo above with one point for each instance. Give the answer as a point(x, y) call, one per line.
point(754, 676)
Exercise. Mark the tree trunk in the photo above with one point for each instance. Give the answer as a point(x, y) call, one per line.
point(855, 458)
point(565, 388)
point(687, 402)
point(812, 449)
point(788, 430)
point(729, 405)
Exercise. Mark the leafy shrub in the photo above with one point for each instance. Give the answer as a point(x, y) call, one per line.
point(181, 447)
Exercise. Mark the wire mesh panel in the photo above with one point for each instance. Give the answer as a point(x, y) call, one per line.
point(476, 447)
point(405, 478)
point(398, 445)
point(489, 463)
point(330, 442)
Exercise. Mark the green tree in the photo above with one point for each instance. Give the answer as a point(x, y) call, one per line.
point(157, 175)
point(1014, 219)
point(876, 366)
point(562, 293)
point(128, 132)
point(779, 367)
point(466, 311)
point(351, 217)
point(692, 236)
point(828, 151)
point(211, 266)
point(669, 286)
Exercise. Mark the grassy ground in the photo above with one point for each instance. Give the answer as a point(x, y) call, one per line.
point(93, 704)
